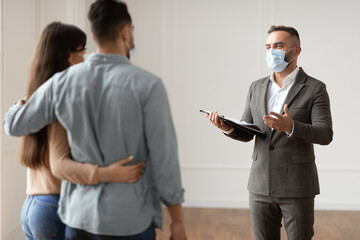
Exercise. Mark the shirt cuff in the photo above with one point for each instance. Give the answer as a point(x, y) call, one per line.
point(176, 198)
point(289, 134)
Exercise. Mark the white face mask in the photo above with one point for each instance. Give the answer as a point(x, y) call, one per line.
point(275, 59)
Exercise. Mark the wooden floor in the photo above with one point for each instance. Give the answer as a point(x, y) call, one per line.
point(235, 224)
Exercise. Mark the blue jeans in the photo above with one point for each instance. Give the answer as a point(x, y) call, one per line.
point(77, 234)
point(39, 218)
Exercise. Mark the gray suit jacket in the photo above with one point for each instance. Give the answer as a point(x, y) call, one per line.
point(285, 166)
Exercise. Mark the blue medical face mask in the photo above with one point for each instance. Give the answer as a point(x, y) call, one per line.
point(132, 50)
point(275, 59)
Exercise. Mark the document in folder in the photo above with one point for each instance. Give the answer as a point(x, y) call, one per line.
point(241, 125)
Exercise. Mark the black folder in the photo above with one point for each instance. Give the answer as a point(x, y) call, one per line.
point(242, 126)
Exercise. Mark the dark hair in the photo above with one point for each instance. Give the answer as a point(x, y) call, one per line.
point(292, 31)
point(107, 17)
point(51, 55)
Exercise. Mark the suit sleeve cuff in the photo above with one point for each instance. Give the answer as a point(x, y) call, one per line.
point(228, 132)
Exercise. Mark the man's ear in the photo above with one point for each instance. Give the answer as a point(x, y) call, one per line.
point(125, 33)
point(298, 51)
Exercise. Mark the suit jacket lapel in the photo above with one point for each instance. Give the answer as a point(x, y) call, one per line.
point(263, 102)
point(262, 96)
point(294, 90)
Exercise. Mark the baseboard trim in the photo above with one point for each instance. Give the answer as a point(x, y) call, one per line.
point(243, 168)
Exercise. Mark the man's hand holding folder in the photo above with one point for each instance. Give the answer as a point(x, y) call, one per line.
point(226, 124)
point(217, 120)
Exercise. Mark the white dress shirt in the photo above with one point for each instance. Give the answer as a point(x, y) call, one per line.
point(276, 95)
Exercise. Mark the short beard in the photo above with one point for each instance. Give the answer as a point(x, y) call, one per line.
point(289, 57)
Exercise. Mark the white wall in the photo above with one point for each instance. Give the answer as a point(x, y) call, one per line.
point(17, 39)
point(21, 22)
point(207, 52)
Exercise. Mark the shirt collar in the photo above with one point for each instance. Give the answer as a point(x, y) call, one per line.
point(289, 78)
point(102, 57)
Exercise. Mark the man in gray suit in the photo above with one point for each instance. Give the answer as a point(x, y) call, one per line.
point(294, 109)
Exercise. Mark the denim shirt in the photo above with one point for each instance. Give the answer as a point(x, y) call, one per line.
point(110, 109)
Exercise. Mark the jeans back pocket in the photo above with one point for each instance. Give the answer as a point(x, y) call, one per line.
point(43, 219)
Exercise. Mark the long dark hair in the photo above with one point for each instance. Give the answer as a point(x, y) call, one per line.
point(51, 55)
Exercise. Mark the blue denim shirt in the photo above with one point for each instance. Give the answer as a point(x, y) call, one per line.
point(111, 109)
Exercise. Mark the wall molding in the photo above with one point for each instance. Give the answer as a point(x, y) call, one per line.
point(215, 167)
point(336, 206)
point(216, 198)
point(76, 13)
point(244, 204)
point(216, 203)
point(15, 233)
point(247, 168)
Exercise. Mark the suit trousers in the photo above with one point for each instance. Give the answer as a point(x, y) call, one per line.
point(267, 213)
